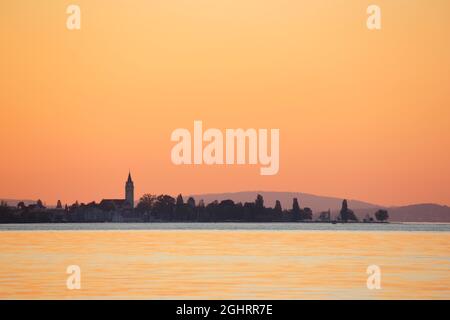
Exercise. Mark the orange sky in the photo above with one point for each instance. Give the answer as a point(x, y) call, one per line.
point(362, 114)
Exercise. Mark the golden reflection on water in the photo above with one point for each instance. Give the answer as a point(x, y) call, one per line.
point(224, 264)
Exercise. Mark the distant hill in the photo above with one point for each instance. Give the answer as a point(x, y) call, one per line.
point(427, 212)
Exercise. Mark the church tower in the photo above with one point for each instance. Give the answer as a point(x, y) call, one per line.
point(129, 191)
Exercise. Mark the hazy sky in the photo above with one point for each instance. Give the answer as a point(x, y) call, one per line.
point(362, 114)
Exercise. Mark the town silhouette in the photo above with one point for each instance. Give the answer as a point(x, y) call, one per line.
point(165, 208)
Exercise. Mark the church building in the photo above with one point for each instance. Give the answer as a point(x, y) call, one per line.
point(121, 204)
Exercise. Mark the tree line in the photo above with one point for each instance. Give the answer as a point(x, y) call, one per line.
point(165, 208)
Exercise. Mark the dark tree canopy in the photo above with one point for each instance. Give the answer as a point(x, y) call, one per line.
point(306, 214)
point(382, 215)
point(296, 212)
point(40, 204)
point(146, 203)
point(180, 201)
point(191, 203)
point(346, 214)
point(259, 202)
point(344, 205)
point(278, 208)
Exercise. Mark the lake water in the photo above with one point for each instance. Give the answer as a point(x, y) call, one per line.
point(225, 260)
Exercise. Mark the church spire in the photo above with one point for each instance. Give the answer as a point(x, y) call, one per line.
point(129, 190)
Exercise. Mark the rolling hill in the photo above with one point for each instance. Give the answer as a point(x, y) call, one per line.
point(427, 212)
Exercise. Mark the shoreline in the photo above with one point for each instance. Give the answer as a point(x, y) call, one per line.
point(230, 226)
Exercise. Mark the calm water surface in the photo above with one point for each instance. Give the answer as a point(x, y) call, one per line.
point(225, 260)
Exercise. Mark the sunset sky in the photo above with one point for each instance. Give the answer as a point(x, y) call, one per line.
point(362, 114)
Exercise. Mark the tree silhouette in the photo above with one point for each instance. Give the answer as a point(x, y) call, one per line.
point(180, 201)
point(21, 205)
point(382, 215)
point(5, 212)
point(278, 209)
point(164, 207)
point(181, 209)
point(259, 207)
point(306, 214)
point(146, 202)
point(191, 203)
point(40, 204)
point(346, 214)
point(295, 210)
point(259, 202)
